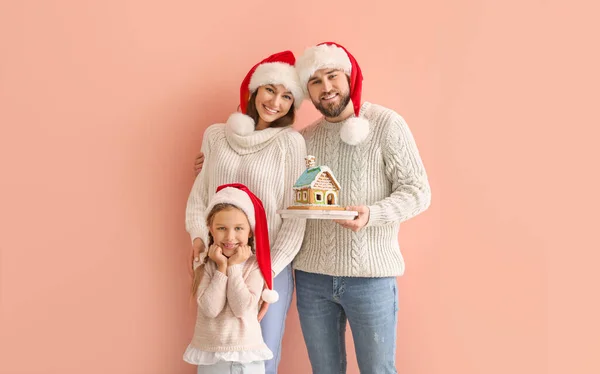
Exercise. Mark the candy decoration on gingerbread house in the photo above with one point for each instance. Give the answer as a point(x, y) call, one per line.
point(316, 189)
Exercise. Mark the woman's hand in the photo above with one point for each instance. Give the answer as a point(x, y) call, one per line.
point(197, 248)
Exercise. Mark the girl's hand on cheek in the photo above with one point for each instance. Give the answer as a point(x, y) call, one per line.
point(215, 253)
point(242, 254)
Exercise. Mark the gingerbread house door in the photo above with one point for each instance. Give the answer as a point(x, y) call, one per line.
point(330, 199)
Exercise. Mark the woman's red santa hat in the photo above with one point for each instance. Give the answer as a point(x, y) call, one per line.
point(275, 69)
point(240, 196)
point(330, 55)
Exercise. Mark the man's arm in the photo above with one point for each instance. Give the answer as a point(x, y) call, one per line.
point(404, 168)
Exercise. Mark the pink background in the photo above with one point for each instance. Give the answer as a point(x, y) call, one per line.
point(102, 109)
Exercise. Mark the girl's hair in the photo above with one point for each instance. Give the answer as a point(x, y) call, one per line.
point(199, 271)
point(286, 120)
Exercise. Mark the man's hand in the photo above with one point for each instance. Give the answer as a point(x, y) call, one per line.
point(359, 221)
point(197, 248)
point(198, 162)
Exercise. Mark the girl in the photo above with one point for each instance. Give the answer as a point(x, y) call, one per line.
point(228, 283)
point(258, 148)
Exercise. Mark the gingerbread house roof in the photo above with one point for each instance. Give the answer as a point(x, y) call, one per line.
point(312, 175)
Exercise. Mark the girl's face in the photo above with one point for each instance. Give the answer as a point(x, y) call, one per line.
point(273, 101)
point(230, 229)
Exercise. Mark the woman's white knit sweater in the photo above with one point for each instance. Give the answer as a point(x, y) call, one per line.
point(268, 162)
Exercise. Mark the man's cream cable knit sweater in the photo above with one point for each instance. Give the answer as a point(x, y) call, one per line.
point(268, 162)
point(384, 172)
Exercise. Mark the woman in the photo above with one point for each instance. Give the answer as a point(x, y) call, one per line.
point(258, 148)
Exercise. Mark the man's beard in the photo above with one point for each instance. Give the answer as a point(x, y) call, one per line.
point(333, 110)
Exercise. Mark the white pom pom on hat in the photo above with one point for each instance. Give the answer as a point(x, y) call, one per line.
point(270, 296)
point(240, 123)
point(354, 130)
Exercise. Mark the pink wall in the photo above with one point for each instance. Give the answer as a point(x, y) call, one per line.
point(102, 108)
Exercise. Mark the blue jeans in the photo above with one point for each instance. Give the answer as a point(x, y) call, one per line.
point(369, 304)
point(273, 324)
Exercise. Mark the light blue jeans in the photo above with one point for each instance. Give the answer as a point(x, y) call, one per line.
point(273, 324)
point(325, 303)
point(226, 367)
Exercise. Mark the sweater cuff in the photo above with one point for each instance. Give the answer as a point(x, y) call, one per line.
point(198, 234)
point(276, 267)
point(375, 215)
point(235, 269)
point(220, 277)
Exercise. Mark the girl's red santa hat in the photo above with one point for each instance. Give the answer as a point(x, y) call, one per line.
point(240, 196)
point(275, 69)
point(330, 55)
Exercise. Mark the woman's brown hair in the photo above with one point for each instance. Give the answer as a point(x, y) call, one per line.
point(286, 120)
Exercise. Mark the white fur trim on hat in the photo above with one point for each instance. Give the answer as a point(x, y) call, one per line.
point(240, 123)
point(278, 73)
point(270, 296)
point(321, 57)
point(237, 197)
point(355, 130)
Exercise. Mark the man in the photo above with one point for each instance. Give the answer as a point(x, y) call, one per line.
point(346, 270)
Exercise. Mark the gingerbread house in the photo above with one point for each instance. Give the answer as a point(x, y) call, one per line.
point(316, 188)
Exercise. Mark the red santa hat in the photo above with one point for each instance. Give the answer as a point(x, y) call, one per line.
point(330, 55)
point(239, 195)
point(275, 69)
